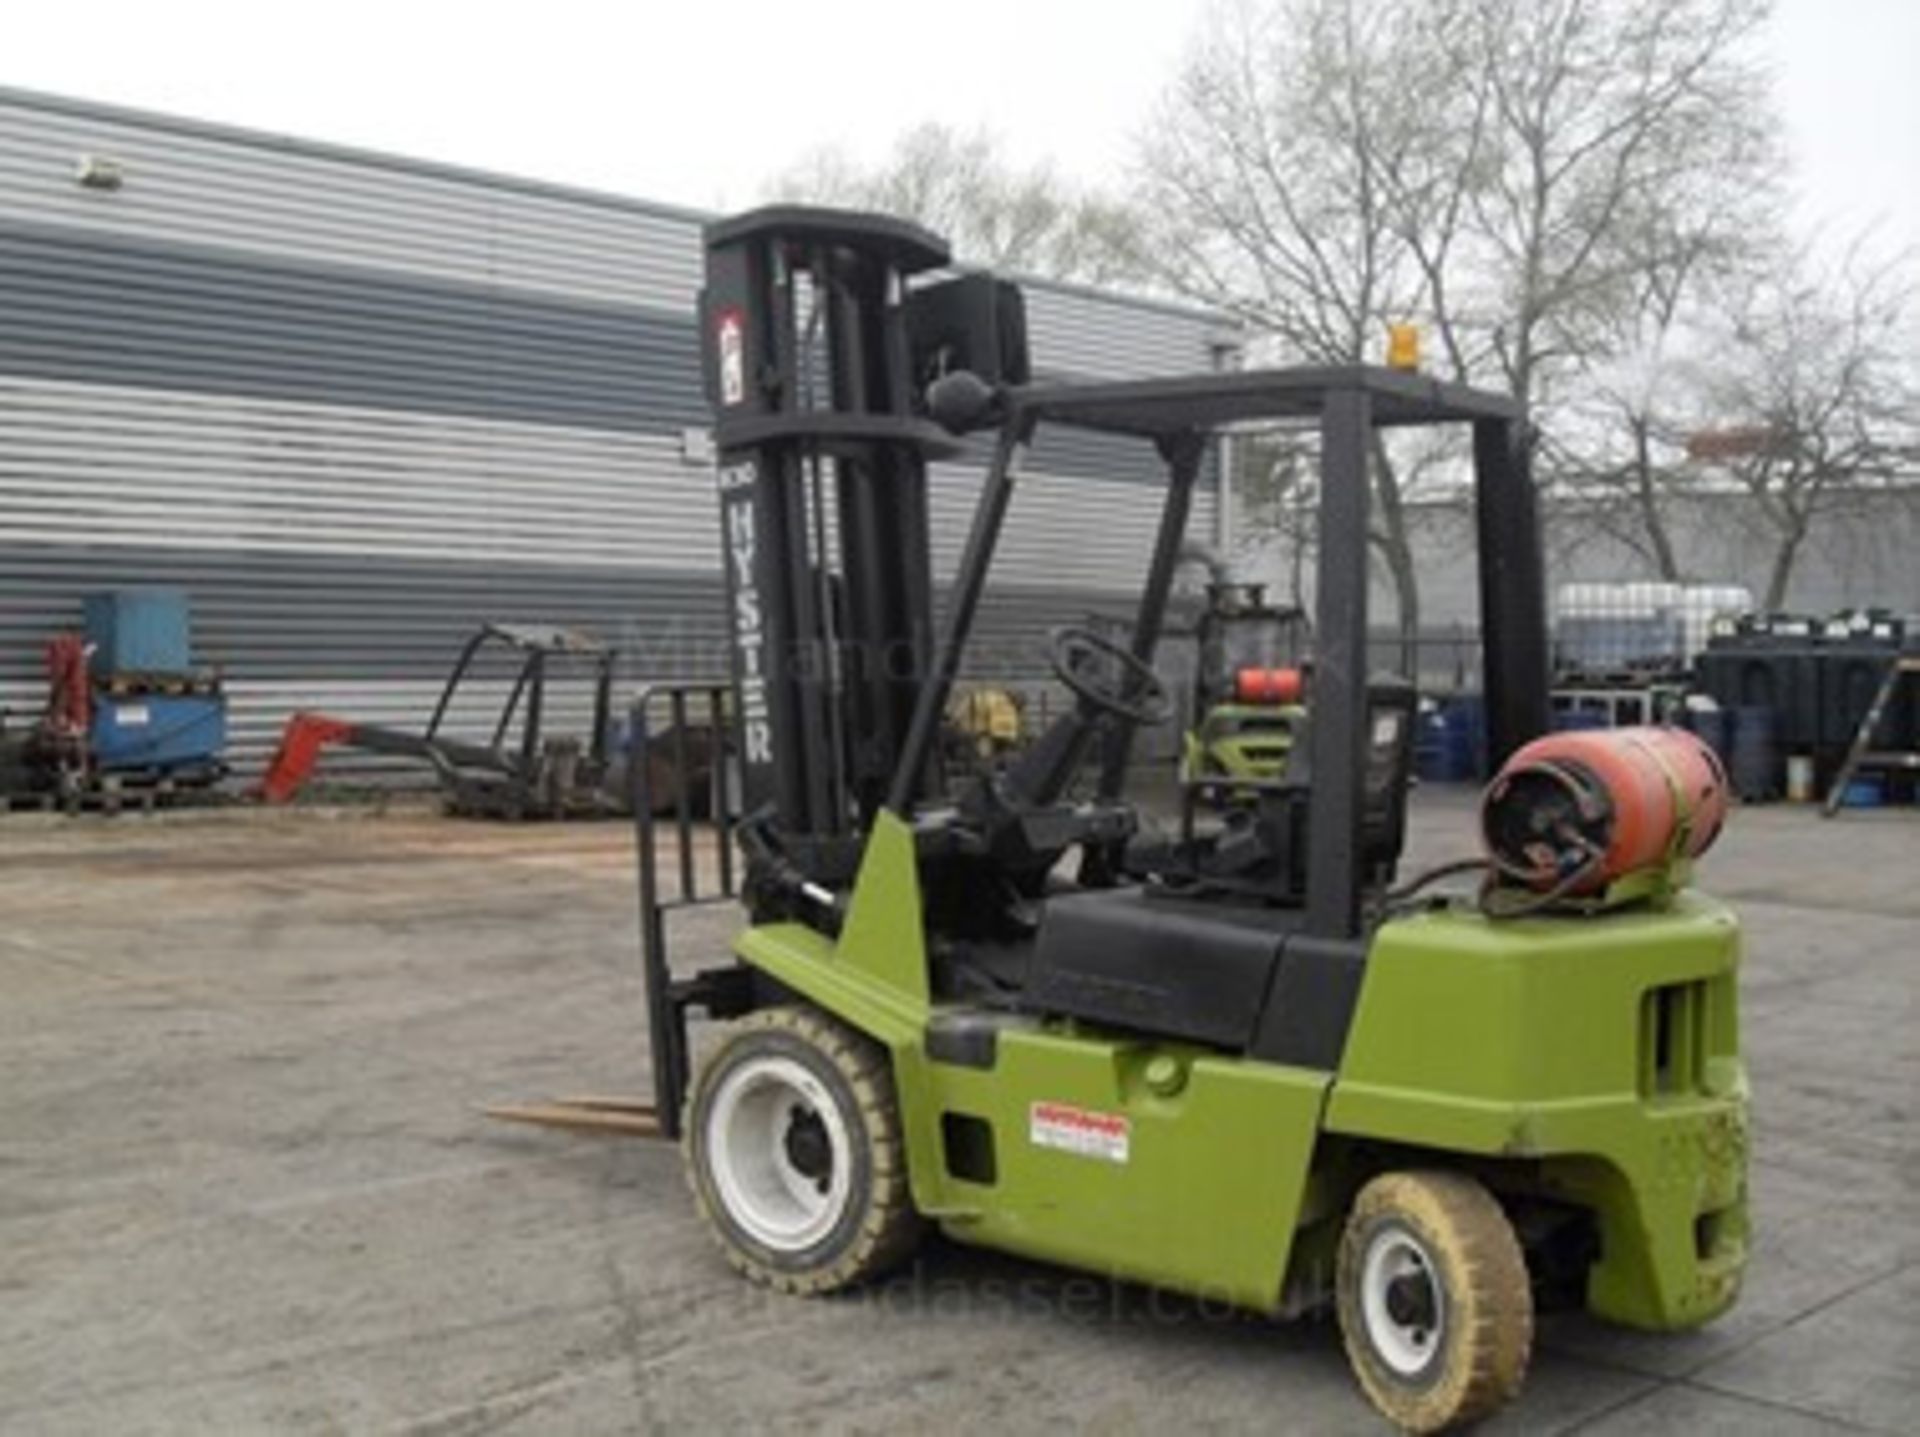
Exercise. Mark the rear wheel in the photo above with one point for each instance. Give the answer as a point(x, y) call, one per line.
point(793, 1150)
point(1434, 1301)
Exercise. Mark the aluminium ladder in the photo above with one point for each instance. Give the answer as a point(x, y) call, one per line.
point(1861, 753)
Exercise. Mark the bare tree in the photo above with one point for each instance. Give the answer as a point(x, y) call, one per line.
point(1618, 449)
point(1494, 169)
point(1618, 132)
point(994, 212)
point(1809, 400)
point(1269, 199)
point(1276, 486)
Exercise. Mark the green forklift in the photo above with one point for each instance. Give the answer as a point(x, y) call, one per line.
point(1251, 1064)
point(1248, 686)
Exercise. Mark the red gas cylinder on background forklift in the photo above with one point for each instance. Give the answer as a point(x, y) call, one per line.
point(1251, 1063)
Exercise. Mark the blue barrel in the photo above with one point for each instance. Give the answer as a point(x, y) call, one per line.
point(1433, 756)
point(1715, 728)
point(1864, 792)
point(1754, 764)
point(1576, 720)
point(1466, 719)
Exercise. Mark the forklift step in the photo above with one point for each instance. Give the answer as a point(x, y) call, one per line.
point(584, 1114)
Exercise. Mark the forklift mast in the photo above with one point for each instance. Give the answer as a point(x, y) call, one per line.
point(817, 355)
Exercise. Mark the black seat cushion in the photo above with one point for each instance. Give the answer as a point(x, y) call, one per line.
point(1157, 963)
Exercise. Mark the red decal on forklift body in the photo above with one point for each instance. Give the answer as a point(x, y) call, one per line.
point(1082, 1131)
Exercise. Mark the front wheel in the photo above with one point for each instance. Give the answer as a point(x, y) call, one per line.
point(793, 1150)
point(1435, 1306)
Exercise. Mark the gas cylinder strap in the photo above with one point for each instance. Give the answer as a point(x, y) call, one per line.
point(1683, 807)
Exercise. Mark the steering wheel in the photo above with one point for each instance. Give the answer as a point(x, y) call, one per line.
point(1127, 688)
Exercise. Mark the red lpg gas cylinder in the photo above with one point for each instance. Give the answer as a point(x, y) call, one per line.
point(1585, 808)
point(1268, 686)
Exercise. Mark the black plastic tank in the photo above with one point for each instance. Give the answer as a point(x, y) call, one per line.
point(1754, 765)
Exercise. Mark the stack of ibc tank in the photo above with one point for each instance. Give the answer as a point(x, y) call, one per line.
point(1615, 629)
point(155, 715)
point(1637, 628)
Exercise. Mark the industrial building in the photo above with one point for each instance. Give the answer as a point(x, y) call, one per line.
point(354, 404)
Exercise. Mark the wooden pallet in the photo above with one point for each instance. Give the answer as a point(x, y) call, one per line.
point(131, 685)
point(88, 800)
point(112, 794)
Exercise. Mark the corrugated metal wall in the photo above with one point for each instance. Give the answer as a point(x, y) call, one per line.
point(355, 404)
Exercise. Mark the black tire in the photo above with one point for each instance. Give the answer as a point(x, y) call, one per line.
point(823, 1095)
point(1435, 1306)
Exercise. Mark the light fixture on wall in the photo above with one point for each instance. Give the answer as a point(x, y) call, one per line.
point(98, 172)
point(696, 446)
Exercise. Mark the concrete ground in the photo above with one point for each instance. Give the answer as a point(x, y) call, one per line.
point(243, 1186)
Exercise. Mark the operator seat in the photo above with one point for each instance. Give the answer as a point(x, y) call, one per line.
point(1156, 961)
point(1194, 948)
point(1261, 846)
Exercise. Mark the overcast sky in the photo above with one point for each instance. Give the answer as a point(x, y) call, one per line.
point(699, 101)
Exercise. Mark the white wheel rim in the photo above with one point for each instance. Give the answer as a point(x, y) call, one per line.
point(1406, 1335)
point(778, 1152)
